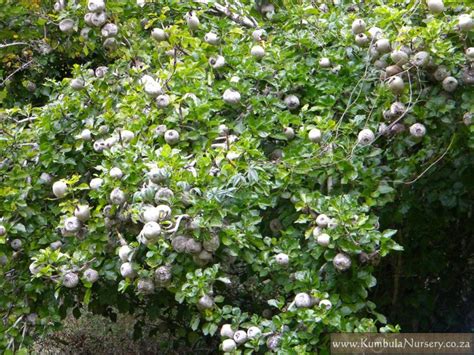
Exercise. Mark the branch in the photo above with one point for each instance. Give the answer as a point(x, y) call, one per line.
point(13, 44)
point(241, 20)
point(24, 66)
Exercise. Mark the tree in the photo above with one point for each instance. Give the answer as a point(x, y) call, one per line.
point(220, 167)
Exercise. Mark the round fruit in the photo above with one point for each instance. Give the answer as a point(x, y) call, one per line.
point(231, 97)
point(3, 230)
point(228, 345)
point(342, 262)
point(365, 137)
point(97, 19)
point(417, 130)
point(470, 53)
point(56, 245)
point(468, 118)
point(211, 38)
point(91, 275)
point(163, 275)
point(116, 173)
point(96, 183)
point(253, 332)
point(193, 246)
point(289, 133)
point(77, 84)
point(212, 244)
point(325, 63)
point(59, 189)
point(240, 337)
point(435, 6)
point(70, 280)
point(205, 302)
point(159, 34)
point(86, 135)
point(152, 87)
point(382, 45)
point(145, 286)
point(226, 331)
point(375, 33)
point(179, 243)
point(151, 230)
point(325, 304)
point(109, 30)
point(292, 102)
point(82, 212)
point(217, 62)
point(303, 300)
point(323, 240)
point(361, 39)
point(465, 22)
point(257, 52)
point(258, 35)
point(392, 70)
point(397, 109)
point(125, 253)
point(450, 84)
point(399, 57)
point(282, 259)
point(192, 20)
point(396, 84)
point(322, 220)
point(117, 196)
point(34, 268)
point(421, 59)
point(171, 136)
point(72, 224)
point(66, 25)
point(358, 26)
point(16, 244)
point(96, 5)
point(127, 271)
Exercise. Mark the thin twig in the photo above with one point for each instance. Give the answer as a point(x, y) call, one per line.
point(241, 20)
point(24, 66)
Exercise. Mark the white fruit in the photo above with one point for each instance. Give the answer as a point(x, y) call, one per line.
point(240, 337)
point(435, 6)
point(211, 38)
point(325, 63)
point(399, 57)
point(317, 231)
point(163, 101)
point(145, 286)
point(45, 178)
point(217, 62)
point(163, 275)
point(192, 20)
point(303, 300)
point(3, 230)
point(117, 196)
point(226, 331)
point(322, 220)
point(159, 34)
point(127, 271)
point(77, 84)
point(125, 135)
point(382, 45)
point(151, 230)
point(109, 30)
point(292, 102)
point(34, 268)
point(72, 224)
point(160, 130)
point(59, 5)
point(70, 280)
point(315, 135)
point(56, 245)
point(116, 173)
point(396, 84)
point(257, 52)
point(361, 39)
point(99, 145)
point(16, 244)
point(375, 33)
point(96, 183)
point(397, 109)
point(97, 19)
point(358, 26)
point(91, 275)
point(152, 87)
point(66, 25)
point(59, 189)
point(171, 136)
point(465, 22)
point(86, 134)
point(289, 133)
point(253, 332)
point(228, 345)
point(273, 342)
point(150, 214)
point(231, 97)
point(365, 137)
point(470, 53)
point(96, 5)
point(192, 246)
point(212, 244)
point(323, 240)
point(325, 304)
point(82, 212)
point(417, 130)
point(342, 262)
point(257, 35)
point(450, 84)
point(421, 59)
point(125, 253)
point(282, 259)
point(206, 302)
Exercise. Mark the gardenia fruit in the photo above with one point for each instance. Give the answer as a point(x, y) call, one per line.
point(292, 102)
point(382, 45)
point(151, 230)
point(342, 262)
point(96, 183)
point(325, 63)
point(217, 62)
point(117, 196)
point(163, 275)
point(109, 30)
point(435, 6)
point(450, 84)
point(228, 345)
point(257, 51)
point(72, 224)
point(192, 20)
point(358, 26)
point(96, 5)
point(240, 337)
point(66, 25)
point(159, 34)
point(322, 220)
point(396, 84)
point(325, 304)
point(361, 39)
point(70, 280)
point(127, 271)
point(303, 300)
point(145, 286)
point(59, 189)
point(399, 57)
point(3, 231)
point(465, 22)
point(91, 275)
point(282, 259)
point(365, 137)
point(16, 244)
point(205, 302)
point(323, 240)
point(231, 97)
point(116, 173)
point(211, 38)
point(77, 84)
point(253, 332)
point(125, 253)
point(417, 130)
point(171, 136)
point(163, 101)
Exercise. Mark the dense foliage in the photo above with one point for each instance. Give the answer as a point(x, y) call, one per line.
point(220, 167)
